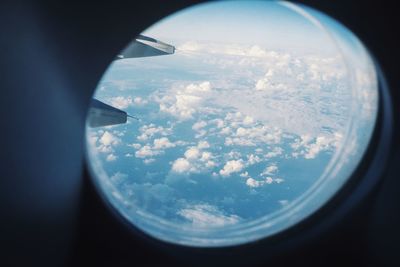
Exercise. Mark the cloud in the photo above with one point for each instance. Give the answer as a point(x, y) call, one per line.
point(233, 154)
point(225, 131)
point(251, 136)
point(135, 145)
point(207, 216)
point(218, 122)
point(244, 174)
point(203, 144)
point(162, 143)
point(181, 165)
point(184, 102)
point(231, 166)
point(148, 161)
point(106, 142)
point(139, 101)
point(146, 151)
point(292, 92)
point(118, 178)
point(198, 88)
point(189, 46)
point(192, 153)
point(198, 125)
point(108, 139)
point(276, 151)
point(159, 145)
point(162, 192)
point(236, 50)
point(253, 183)
point(248, 120)
point(270, 170)
point(229, 141)
point(252, 159)
point(269, 180)
point(310, 147)
point(148, 195)
point(111, 157)
point(182, 107)
point(256, 51)
point(150, 130)
point(121, 102)
point(195, 160)
point(248, 132)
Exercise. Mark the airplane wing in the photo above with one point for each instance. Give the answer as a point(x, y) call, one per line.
point(144, 46)
point(101, 114)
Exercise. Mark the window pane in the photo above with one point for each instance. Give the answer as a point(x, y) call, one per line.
point(249, 116)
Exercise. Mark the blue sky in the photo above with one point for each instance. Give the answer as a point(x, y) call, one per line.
point(250, 22)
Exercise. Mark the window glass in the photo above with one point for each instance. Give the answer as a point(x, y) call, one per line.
point(228, 122)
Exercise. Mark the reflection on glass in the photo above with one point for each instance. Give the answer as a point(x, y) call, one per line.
point(259, 116)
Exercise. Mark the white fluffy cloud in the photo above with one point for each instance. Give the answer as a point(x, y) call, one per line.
point(310, 147)
point(190, 46)
point(150, 130)
point(148, 161)
point(232, 166)
point(198, 88)
point(270, 170)
point(199, 128)
point(121, 102)
point(195, 160)
point(146, 151)
point(159, 145)
point(218, 122)
point(203, 144)
point(244, 174)
point(111, 157)
point(181, 165)
point(198, 125)
point(184, 103)
point(108, 139)
point(135, 145)
point(183, 106)
point(251, 136)
point(206, 215)
point(253, 183)
point(106, 142)
point(253, 159)
point(248, 120)
point(276, 151)
point(192, 153)
point(139, 101)
point(162, 143)
point(243, 130)
point(292, 92)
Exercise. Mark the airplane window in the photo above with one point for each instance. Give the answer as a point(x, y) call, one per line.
point(231, 121)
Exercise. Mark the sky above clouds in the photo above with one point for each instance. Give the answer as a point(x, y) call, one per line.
point(266, 23)
point(239, 123)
